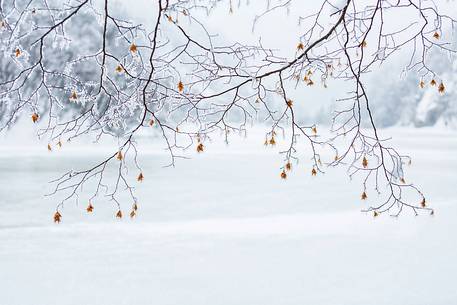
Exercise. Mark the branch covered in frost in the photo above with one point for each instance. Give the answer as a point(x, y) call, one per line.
point(79, 69)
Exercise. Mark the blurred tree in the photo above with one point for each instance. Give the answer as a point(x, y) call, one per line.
point(406, 103)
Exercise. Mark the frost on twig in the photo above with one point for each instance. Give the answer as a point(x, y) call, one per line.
point(79, 69)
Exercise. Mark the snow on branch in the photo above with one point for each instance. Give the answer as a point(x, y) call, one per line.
point(78, 69)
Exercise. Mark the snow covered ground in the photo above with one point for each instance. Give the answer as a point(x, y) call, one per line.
point(223, 229)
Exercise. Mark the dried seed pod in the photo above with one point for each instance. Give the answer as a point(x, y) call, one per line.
point(90, 208)
point(441, 88)
point(423, 203)
point(200, 148)
point(35, 117)
point(57, 217)
point(73, 96)
point(365, 162)
point(180, 86)
point(119, 69)
point(288, 166)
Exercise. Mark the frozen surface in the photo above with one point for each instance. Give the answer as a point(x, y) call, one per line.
point(222, 228)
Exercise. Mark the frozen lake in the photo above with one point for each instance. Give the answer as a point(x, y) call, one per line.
point(223, 229)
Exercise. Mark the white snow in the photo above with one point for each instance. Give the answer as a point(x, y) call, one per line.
point(222, 228)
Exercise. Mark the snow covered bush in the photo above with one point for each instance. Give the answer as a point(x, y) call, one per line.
point(414, 100)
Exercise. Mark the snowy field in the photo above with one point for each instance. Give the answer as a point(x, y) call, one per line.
point(223, 229)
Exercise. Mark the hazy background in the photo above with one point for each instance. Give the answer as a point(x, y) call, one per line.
point(401, 104)
point(222, 228)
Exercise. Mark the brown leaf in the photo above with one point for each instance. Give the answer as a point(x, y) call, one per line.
point(436, 35)
point(423, 203)
point(180, 86)
point(140, 177)
point(57, 217)
point(313, 172)
point(119, 68)
point(133, 48)
point(365, 162)
point(441, 88)
point(73, 96)
point(119, 214)
point(35, 117)
point(288, 166)
point(200, 148)
point(364, 196)
point(90, 208)
point(119, 156)
point(300, 47)
point(283, 174)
